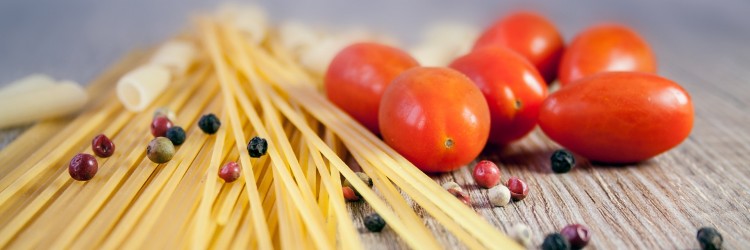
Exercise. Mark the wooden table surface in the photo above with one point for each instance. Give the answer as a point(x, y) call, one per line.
point(657, 204)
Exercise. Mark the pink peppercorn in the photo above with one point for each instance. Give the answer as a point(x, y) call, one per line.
point(102, 146)
point(518, 188)
point(230, 172)
point(349, 194)
point(486, 174)
point(578, 235)
point(83, 167)
point(160, 125)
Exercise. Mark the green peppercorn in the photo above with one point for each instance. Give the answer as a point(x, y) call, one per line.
point(257, 147)
point(555, 241)
point(209, 123)
point(709, 238)
point(176, 134)
point(562, 161)
point(374, 223)
point(160, 150)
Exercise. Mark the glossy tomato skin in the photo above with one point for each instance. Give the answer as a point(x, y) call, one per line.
point(435, 117)
point(618, 117)
point(530, 35)
point(513, 88)
point(605, 47)
point(358, 75)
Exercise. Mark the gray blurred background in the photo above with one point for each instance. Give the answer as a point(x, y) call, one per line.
point(77, 39)
point(701, 44)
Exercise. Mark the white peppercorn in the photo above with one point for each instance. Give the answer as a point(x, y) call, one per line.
point(499, 195)
point(521, 233)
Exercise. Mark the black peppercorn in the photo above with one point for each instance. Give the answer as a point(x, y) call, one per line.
point(555, 241)
point(562, 161)
point(374, 223)
point(709, 238)
point(257, 147)
point(209, 123)
point(176, 134)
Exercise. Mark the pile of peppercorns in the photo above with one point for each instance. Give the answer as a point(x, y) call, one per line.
point(487, 175)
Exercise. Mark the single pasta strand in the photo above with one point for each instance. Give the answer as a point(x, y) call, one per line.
point(326, 201)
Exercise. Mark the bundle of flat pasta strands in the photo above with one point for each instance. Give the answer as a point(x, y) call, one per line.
point(290, 198)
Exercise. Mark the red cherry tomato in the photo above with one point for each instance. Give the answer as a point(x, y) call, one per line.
point(435, 117)
point(512, 87)
point(607, 47)
point(618, 117)
point(359, 74)
point(532, 36)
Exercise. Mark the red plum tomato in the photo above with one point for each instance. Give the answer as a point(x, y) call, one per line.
point(618, 117)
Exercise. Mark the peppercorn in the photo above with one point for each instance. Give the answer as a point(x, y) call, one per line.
point(102, 146)
point(518, 188)
point(350, 194)
point(160, 150)
point(499, 196)
point(461, 195)
point(230, 172)
point(374, 223)
point(176, 134)
point(709, 238)
point(257, 147)
point(164, 111)
point(521, 233)
point(83, 167)
point(160, 125)
point(562, 161)
point(209, 123)
point(486, 174)
point(555, 241)
point(577, 235)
